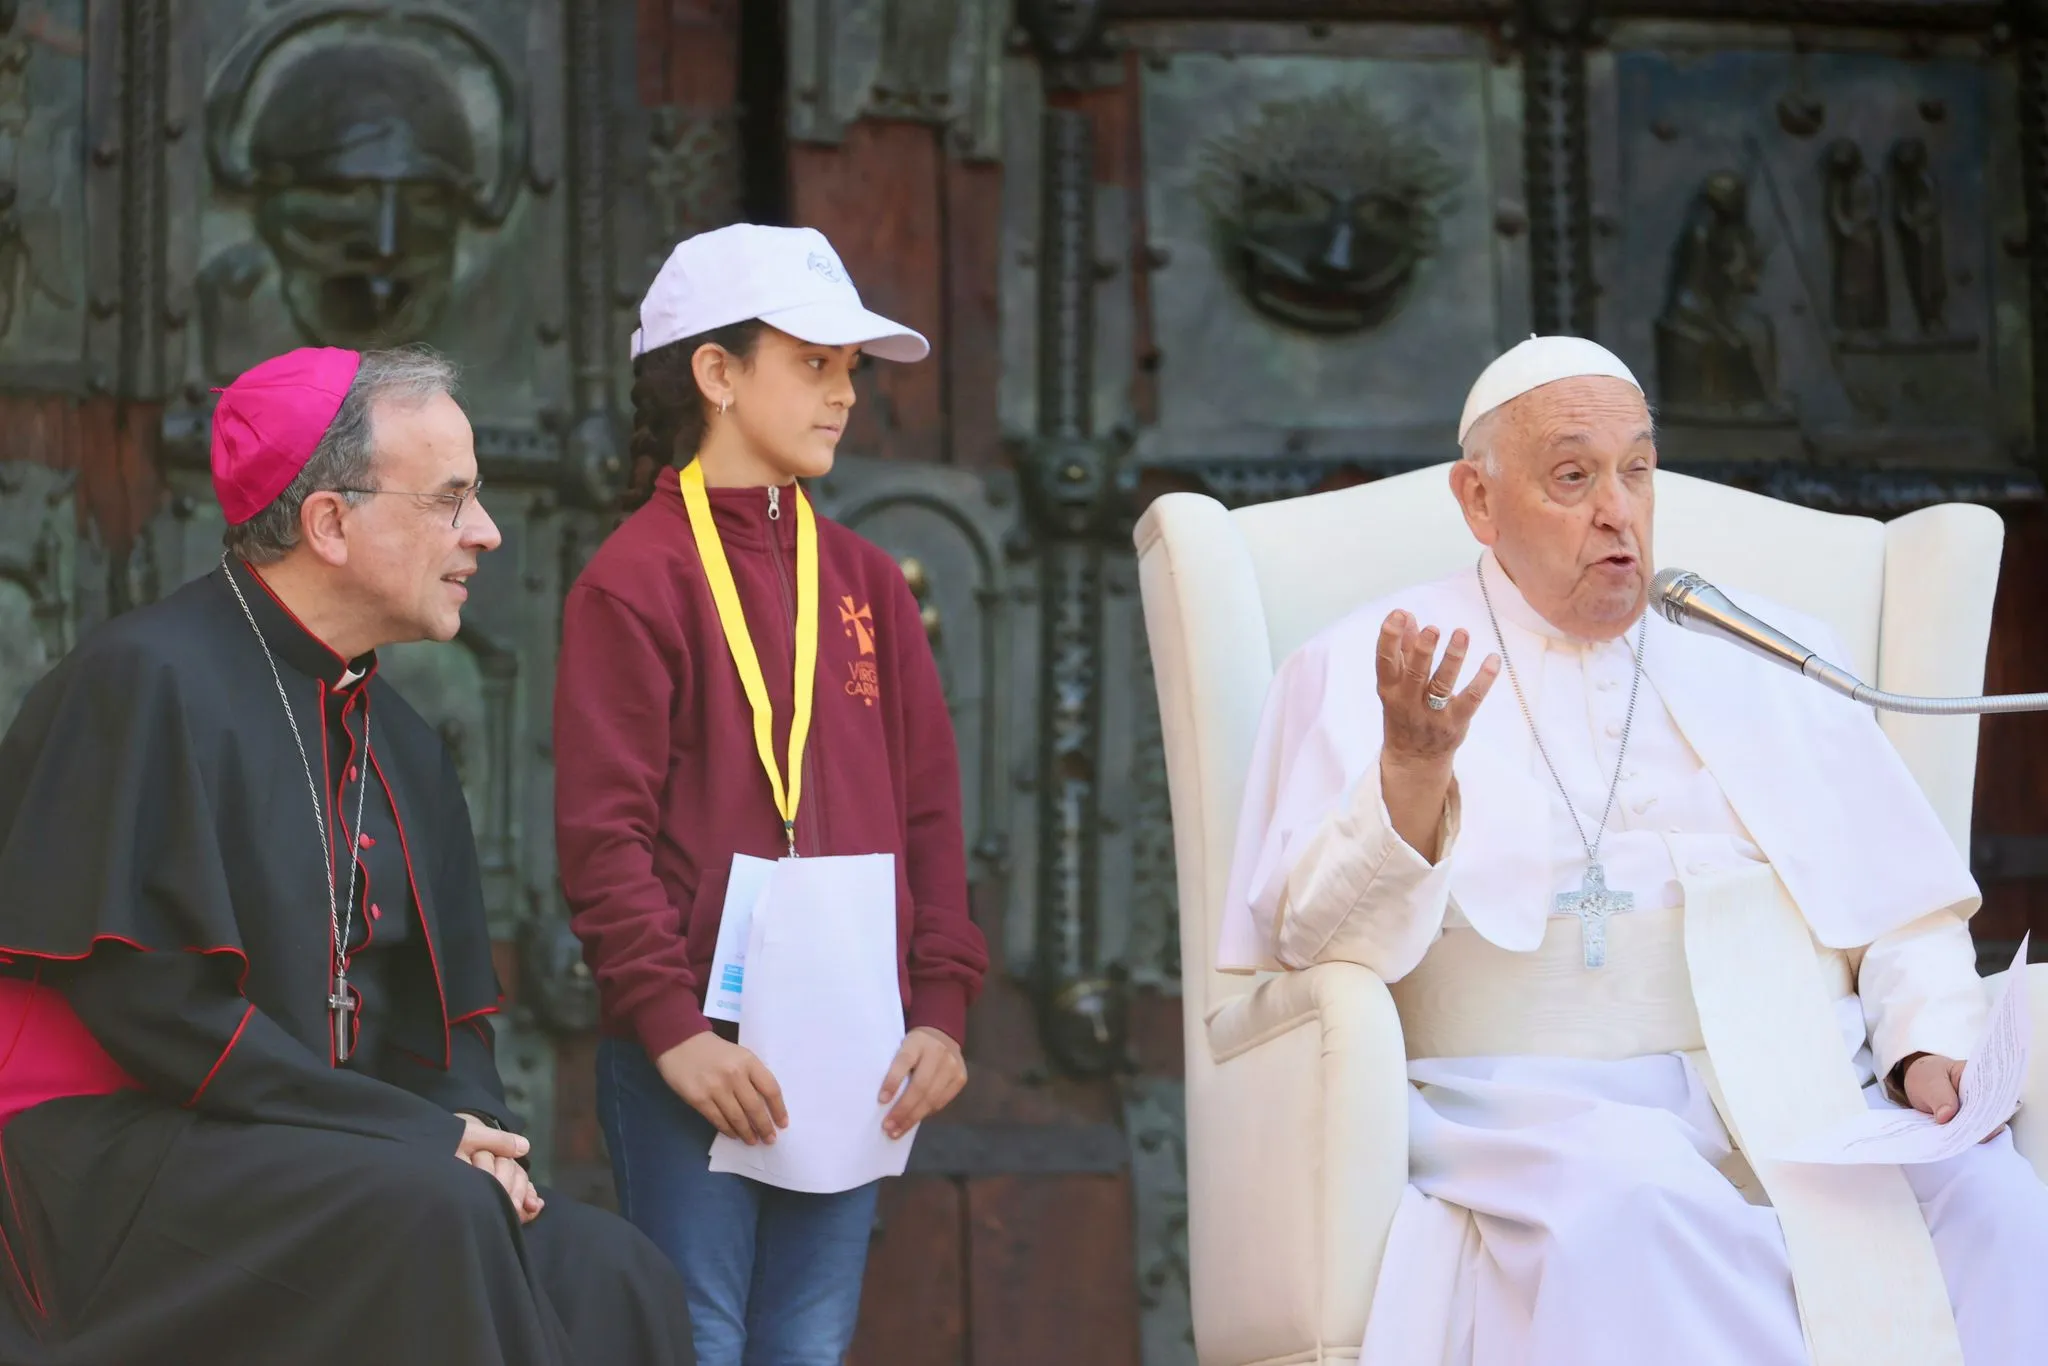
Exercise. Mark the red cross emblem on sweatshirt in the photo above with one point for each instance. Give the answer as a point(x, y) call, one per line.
point(859, 623)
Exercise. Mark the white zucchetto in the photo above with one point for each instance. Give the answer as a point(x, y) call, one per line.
point(1533, 364)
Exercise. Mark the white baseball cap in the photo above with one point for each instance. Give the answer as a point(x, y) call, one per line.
point(789, 278)
point(1533, 364)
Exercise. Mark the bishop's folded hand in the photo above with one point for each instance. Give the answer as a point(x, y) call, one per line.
point(515, 1179)
point(498, 1151)
point(479, 1137)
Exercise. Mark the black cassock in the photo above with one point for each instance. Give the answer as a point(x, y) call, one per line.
point(255, 1201)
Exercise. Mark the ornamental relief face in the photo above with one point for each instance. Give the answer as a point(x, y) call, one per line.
point(363, 151)
point(1324, 208)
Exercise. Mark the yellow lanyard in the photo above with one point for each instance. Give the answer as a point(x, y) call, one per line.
point(733, 618)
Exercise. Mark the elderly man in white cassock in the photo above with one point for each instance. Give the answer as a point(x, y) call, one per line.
point(1650, 907)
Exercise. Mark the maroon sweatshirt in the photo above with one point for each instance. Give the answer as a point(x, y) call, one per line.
point(658, 782)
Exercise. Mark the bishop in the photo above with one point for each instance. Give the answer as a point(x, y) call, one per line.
point(251, 1107)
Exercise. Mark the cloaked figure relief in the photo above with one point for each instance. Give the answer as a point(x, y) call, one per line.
point(1855, 215)
point(24, 271)
point(1716, 353)
point(1916, 219)
point(1324, 211)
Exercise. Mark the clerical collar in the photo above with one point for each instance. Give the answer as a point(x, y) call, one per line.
point(1514, 610)
point(289, 638)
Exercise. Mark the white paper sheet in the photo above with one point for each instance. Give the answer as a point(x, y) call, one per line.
point(1990, 1094)
point(822, 1009)
point(743, 890)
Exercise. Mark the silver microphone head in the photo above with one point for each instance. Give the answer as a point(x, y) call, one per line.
point(1672, 590)
point(1688, 600)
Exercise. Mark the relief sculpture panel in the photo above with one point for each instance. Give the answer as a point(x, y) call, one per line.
point(37, 536)
point(42, 199)
point(369, 168)
point(1334, 239)
point(1324, 210)
point(1806, 260)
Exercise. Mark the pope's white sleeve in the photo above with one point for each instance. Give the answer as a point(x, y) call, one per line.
point(1356, 892)
point(1921, 992)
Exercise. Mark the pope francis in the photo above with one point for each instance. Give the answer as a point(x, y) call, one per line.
point(1651, 909)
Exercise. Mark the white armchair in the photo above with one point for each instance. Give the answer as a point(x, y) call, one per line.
point(1297, 1145)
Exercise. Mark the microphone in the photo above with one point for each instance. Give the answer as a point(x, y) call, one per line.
point(1685, 599)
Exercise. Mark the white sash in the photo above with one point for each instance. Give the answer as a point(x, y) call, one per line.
point(1736, 982)
point(1870, 1290)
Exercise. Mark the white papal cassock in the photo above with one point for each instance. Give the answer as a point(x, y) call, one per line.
point(1572, 1209)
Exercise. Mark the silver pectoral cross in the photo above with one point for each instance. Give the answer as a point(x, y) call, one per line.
point(1592, 904)
point(340, 1006)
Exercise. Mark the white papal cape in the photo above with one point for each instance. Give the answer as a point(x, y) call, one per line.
point(1596, 1180)
point(1814, 781)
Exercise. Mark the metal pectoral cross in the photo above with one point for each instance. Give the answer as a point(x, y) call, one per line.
point(1592, 904)
point(340, 1006)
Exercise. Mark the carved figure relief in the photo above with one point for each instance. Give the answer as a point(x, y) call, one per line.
point(15, 52)
point(18, 40)
point(924, 61)
point(31, 246)
point(1890, 327)
point(1916, 219)
point(913, 76)
point(22, 276)
point(693, 174)
point(1325, 210)
point(365, 162)
point(1716, 351)
point(1856, 233)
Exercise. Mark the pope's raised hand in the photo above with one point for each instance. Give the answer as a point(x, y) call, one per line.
point(1417, 732)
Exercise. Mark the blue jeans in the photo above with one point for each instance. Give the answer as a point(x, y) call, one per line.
point(772, 1276)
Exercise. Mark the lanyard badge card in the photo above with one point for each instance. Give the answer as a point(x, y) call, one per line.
point(805, 914)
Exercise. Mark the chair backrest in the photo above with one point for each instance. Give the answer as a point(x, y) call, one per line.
point(1228, 595)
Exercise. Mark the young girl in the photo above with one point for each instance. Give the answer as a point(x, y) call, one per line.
point(743, 379)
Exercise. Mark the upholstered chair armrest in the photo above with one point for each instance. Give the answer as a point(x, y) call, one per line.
point(1303, 1155)
point(2030, 1126)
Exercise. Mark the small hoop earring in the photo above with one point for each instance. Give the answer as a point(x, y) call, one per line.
point(723, 404)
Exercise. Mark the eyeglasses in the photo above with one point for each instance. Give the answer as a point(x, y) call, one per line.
point(458, 499)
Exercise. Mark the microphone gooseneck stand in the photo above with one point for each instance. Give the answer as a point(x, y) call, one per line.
point(1685, 599)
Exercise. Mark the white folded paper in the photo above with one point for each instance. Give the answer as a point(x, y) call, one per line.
point(823, 1010)
point(743, 888)
point(1990, 1094)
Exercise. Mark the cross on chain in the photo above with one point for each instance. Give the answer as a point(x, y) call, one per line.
point(340, 1007)
point(1593, 903)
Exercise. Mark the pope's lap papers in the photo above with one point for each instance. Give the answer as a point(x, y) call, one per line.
point(1990, 1095)
point(823, 1011)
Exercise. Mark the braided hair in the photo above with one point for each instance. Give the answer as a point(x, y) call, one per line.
point(670, 412)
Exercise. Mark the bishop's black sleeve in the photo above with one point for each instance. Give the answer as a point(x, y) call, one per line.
point(178, 1024)
point(469, 1085)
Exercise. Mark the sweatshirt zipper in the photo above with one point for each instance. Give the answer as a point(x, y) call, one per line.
point(806, 817)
